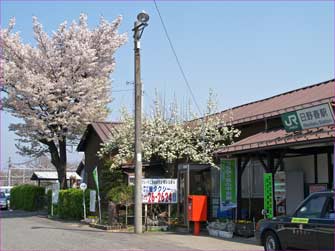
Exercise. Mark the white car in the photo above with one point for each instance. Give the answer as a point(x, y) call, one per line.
point(3, 201)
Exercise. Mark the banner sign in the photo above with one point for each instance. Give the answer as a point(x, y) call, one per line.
point(316, 116)
point(228, 189)
point(313, 188)
point(96, 178)
point(268, 194)
point(55, 192)
point(93, 196)
point(162, 191)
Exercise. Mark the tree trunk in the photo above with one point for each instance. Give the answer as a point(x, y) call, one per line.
point(62, 165)
point(58, 159)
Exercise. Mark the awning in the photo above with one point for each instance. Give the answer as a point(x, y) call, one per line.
point(49, 175)
point(279, 138)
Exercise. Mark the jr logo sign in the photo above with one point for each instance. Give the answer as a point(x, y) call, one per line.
point(291, 121)
point(311, 117)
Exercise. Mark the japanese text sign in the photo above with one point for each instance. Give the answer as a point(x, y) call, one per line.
point(228, 184)
point(268, 194)
point(316, 116)
point(163, 191)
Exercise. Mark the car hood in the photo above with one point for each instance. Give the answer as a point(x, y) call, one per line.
point(275, 219)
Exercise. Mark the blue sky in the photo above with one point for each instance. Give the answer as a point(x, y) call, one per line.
point(244, 51)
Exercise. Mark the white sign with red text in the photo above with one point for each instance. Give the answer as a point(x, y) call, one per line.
point(159, 191)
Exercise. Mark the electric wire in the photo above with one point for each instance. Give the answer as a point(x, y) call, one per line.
point(177, 59)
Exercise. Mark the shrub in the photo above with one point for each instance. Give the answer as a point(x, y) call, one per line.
point(70, 203)
point(122, 194)
point(27, 197)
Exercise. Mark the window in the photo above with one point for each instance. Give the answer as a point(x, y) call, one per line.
point(312, 208)
point(252, 180)
point(329, 212)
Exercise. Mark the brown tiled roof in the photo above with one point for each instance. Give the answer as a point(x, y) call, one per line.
point(282, 103)
point(279, 138)
point(104, 130)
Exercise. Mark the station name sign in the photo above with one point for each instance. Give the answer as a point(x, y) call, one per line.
point(316, 116)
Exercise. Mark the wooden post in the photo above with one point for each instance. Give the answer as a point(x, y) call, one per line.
point(169, 214)
point(330, 171)
point(271, 169)
point(146, 216)
point(126, 215)
point(315, 168)
point(239, 188)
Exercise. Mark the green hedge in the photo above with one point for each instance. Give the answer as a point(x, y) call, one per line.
point(70, 203)
point(27, 197)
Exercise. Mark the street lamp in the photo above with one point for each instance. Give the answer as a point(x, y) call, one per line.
point(140, 24)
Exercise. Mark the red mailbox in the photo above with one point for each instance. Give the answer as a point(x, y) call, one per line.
point(197, 210)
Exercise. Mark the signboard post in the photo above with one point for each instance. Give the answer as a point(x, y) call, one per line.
point(228, 189)
point(268, 194)
point(159, 191)
point(55, 194)
point(316, 116)
point(83, 187)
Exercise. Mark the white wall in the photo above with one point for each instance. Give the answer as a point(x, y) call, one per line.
point(322, 168)
point(304, 163)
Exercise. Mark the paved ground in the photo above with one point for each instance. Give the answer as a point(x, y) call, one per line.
point(28, 231)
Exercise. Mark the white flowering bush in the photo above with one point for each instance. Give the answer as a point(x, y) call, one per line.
point(169, 138)
point(59, 85)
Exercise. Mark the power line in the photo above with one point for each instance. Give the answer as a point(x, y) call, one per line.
point(177, 59)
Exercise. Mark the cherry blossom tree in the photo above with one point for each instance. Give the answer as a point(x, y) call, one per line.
point(59, 85)
point(167, 136)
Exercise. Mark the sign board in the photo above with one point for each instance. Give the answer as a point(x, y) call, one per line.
point(280, 192)
point(316, 116)
point(268, 194)
point(55, 192)
point(228, 189)
point(162, 191)
point(83, 186)
point(93, 196)
point(313, 188)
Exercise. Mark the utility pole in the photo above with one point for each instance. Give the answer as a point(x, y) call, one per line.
point(9, 172)
point(138, 30)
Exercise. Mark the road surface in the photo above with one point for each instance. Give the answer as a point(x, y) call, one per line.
point(28, 231)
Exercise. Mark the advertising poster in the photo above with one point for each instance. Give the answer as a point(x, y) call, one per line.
point(159, 191)
point(228, 189)
point(268, 194)
point(280, 193)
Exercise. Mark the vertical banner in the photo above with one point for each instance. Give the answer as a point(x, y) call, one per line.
point(55, 192)
point(228, 189)
point(93, 195)
point(96, 179)
point(268, 194)
point(280, 192)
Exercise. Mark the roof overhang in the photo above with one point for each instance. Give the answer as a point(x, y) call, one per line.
point(49, 175)
point(276, 139)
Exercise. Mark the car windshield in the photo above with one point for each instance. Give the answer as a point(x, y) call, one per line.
point(2, 195)
point(312, 208)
